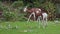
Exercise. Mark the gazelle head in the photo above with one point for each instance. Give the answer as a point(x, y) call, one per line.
point(25, 9)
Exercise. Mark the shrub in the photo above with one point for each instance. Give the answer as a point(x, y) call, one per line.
point(50, 7)
point(17, 4)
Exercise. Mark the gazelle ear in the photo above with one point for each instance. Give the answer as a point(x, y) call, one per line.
point(26, 6)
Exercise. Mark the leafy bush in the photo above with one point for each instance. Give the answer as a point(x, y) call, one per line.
point(15, 14)
point(8, 15)
point(50, 7)
point(17, 4)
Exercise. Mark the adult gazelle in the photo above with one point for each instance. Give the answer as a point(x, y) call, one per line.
point(37, 13)
point(32, 11)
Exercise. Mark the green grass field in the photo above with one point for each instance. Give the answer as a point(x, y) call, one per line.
point(29, 28)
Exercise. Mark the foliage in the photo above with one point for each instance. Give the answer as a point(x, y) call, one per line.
point(14, 10)
point(17, 4)
point(51, 8)
point(8, 15)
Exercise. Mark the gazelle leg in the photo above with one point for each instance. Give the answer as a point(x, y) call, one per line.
point(43, 22)
point(46, 21)
point(34, 15)
point(38, 20)
point(29, 17)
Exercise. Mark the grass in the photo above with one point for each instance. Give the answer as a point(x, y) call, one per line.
point(32, 28)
